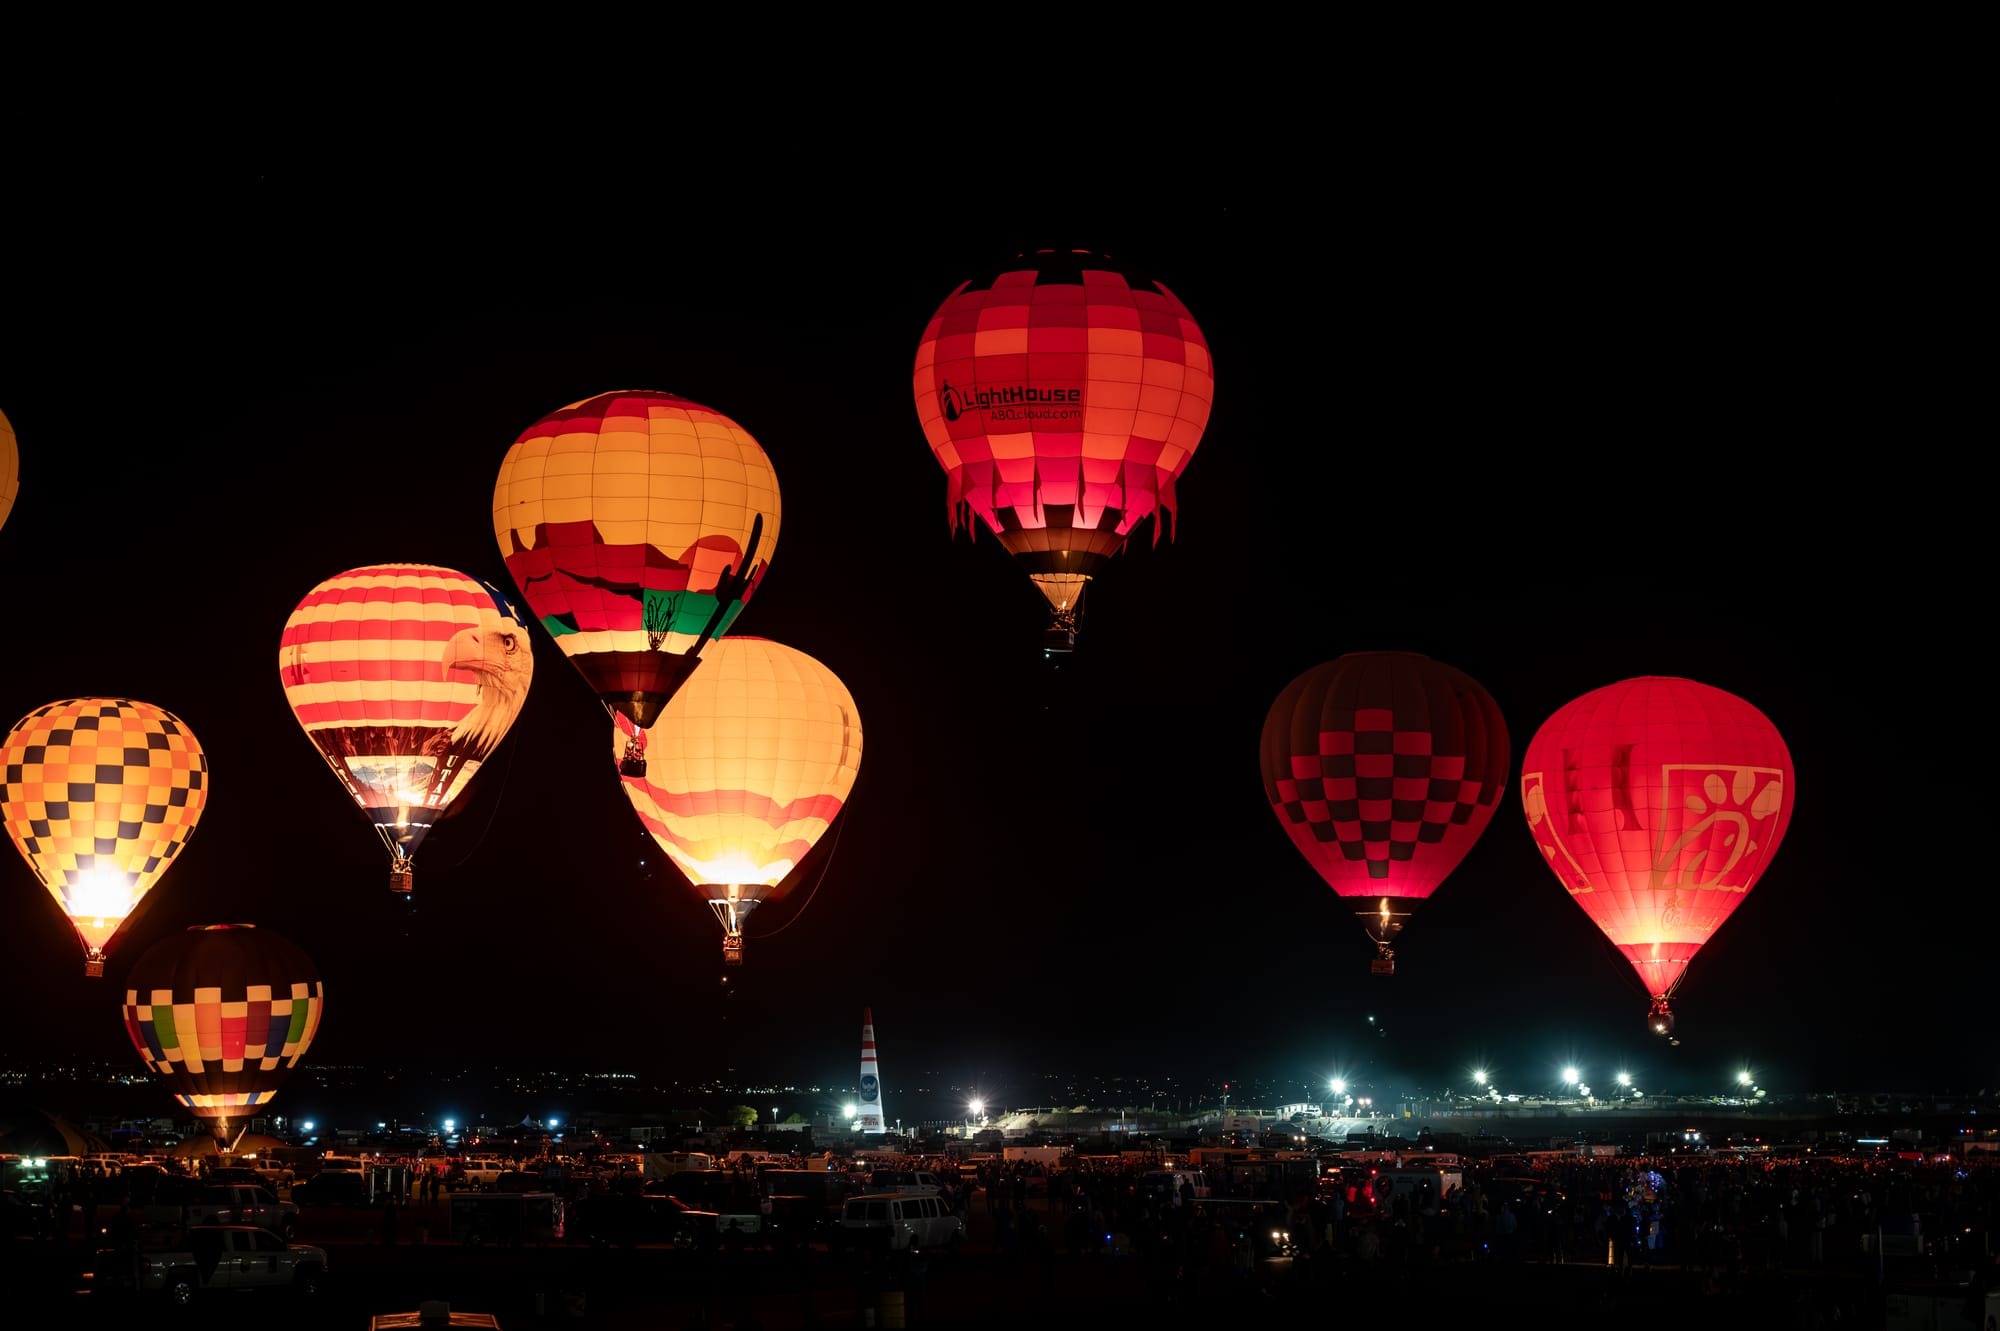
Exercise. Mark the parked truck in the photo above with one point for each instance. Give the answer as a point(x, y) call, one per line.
point(213, 1259)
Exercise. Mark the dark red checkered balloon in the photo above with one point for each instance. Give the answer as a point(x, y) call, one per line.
point(1384, 768)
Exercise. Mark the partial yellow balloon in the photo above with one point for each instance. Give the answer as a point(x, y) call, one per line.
point(10, 468)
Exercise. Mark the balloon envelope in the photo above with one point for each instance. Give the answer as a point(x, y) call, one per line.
point(1657, 802)
point(100, 795)
point(747, 767)
point(1384, 768)
point(1063, 396)
point(405, 677)
point(223, 1012)
point(619, 517)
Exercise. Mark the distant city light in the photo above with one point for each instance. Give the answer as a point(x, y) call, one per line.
point(1571, 1076)
point(1624, 1079)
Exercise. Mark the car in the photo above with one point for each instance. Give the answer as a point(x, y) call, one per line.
point(24, 1217)
point(235, 1204)
point(332, 1187)
point(622, 1220)
point(900, 1221)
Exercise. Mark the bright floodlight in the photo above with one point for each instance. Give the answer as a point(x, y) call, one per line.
point(450, 1124)
point(307, 1125)
point(1339, 1085)
point(1624, 1079)
point(1479, 1075)
point(977, 1107)
point(847, 1111)
point(1572, 1076)
point(1743, 1077)
point(555, 1122)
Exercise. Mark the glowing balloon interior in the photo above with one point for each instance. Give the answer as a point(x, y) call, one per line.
point(1384, 768)
point(1658, 802)
point(637, 525)
point(747, 767)
point(223, 1013)
point(100, 796)
point(1063, 395)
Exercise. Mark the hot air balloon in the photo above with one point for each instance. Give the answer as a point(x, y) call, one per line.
point(637, 526)
point(1384, 768)
point(100, 795)
point(1658, 802)
point(748, 766)
point(1063, 395)
point(405, 677)
point(223, 1012)
point(10, 468)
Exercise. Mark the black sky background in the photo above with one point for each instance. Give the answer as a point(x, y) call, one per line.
point(1554, 426)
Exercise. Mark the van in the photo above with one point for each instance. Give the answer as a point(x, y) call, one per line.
point(1163, 1185)
point(899, 1221)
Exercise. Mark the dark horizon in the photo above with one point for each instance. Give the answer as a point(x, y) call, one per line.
point(1551, 461)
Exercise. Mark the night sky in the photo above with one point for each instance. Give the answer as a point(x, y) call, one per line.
point(1553, 445)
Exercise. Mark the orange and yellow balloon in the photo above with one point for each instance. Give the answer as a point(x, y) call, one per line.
point(637, 525)
point(100, 797)
point(747, 767)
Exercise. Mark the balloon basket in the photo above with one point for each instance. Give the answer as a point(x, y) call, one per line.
point(1382, 966)
point(401, 881)
point(93, 969)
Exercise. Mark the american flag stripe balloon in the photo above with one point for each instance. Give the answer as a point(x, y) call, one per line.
point(405, 677)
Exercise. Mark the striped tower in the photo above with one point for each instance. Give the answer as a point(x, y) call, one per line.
point(868, 1114)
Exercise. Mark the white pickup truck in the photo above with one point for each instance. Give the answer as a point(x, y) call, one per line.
point(483, 1172)
point(232, 1258)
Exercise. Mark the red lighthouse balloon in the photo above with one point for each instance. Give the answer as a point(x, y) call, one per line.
point(1063, 395)
point(1658, 802)
point(1384, 767)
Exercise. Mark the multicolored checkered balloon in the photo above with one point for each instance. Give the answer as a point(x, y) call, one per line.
point(100, 795)
point(223, 1012)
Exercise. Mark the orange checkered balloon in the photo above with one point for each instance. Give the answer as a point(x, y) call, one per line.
point(1063, 396)
point(100, 796)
